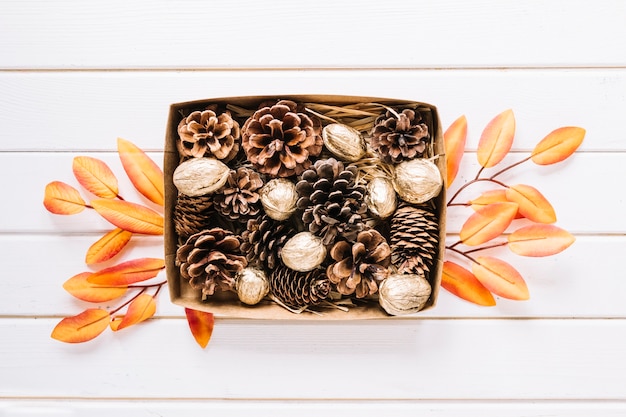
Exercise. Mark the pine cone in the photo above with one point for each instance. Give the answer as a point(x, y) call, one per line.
point(414, 240)
point(299, 289)
point(238, 199)
point(204, 133)
point(361, 266)
point(264, 239)
point(191, 215)
point(401, 138)
point(209, 259)
point(333, 203)
point(279, 141)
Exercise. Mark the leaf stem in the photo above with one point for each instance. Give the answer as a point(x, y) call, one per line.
point(460, 252)
point(502, 171)
point(495, 245)
point(128, 302)
point(475, 180)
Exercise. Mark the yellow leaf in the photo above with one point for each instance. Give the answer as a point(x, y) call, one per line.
point(558, 145)
point(462, 283)
point(487, 223)
point(82, 327)
point(540, 240)
point(107, 246)
point(143, 172)
point(95, 176)
point(500, 278)
point(81, 288)
point(62, 198)
point(496, 140)
point(454, 141)
point(532, 204)
point(130, 216)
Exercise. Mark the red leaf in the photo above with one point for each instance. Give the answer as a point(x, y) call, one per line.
point(454, 141)
point(130, 216)
point(558, 145)
point(143, 172)
point(62, 198)
point(95, 176)
point(201, 325)
point(107, 246)
point(82, 327)
point(81, 288)
point(487, 223)
point(128, 273)
point(496, 140)
point(462, 283)
point(540, 240)
point(500, 278)
point(140, 309)
point(532, 204)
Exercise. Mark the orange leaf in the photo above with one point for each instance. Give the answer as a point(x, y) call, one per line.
point(115, 322)
point(143, 172)
point(540, 240)
point(500, 278)
point(496, 140)
point(140, 309)
point(82, 327)
point(558, 145)
point(487, 223)
point(454, 141)
point(490, 197)
point(462, 283)
point(107, 246)
point(130, 216)
point(95, 176)
point(532, 204)
point(128, 272)
point(201, 325)
point(81, 288)
point(62, 198)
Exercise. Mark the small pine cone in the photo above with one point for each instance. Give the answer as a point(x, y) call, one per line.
point(238, 199)
point(399, 137)
point(333, 204)
point(279, 140)
point(299, 289)
point(264, 239)
point(414, 240)
point(205, 133)
point(191, 215)
point(360, 267)
point(210, 259)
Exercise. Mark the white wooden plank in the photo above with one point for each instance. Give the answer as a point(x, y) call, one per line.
point(581, 282)
point(87, 111)
point(425, 359)
point(313, 408)
point(453, 33)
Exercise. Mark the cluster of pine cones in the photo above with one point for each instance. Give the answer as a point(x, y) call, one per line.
point(223, 233)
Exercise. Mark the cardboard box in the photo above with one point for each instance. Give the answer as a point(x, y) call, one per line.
point(226, 304)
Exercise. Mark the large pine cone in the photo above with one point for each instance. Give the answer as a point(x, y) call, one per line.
point(299, 290)
point(333, 203)
point(399, 138)
point(360, 267)
point(204, 133)
point(414, 240)
point(238, 199)
point(210, 259)
point(192, 215)
point(279, 141)
point(264, 239)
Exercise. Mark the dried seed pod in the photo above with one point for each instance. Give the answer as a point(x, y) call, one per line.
point(381, 197)
point(404, 293)
point(200, 176)
point(417, 181)
point(343, 141)
point(279, 197)
point(252, 285)
point(303, 252)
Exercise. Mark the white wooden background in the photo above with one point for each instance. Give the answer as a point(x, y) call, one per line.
point(76, 75)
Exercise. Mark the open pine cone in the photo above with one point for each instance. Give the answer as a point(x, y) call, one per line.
point(279, 141)
point(264, 239)
point(299, 290)
point(192, 215)
point(332, 203)
point(414, 239)
point(399, 137)
point(238, 199)
point(211, 259)
point(360, 267)
point(204, 133)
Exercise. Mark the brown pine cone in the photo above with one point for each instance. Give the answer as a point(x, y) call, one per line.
point(399, 137)
point(264, 239)
point(299, 290)
point(279, 141)
point(191, 215)
point(361, 266)
point(211, 259)
point(238, 199)
point(414, 239)
point(333, 204)
point(204, 133)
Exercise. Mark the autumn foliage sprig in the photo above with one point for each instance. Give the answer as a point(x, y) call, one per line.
point(496, 209)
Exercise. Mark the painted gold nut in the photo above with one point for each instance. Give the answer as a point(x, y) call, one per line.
point(401, 294)
point(252, 286)
point(279, 198)
point(417, 181)
point(303, 252)
point(343, 141)
point(381, 197)
point(200, 176)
